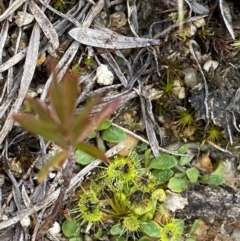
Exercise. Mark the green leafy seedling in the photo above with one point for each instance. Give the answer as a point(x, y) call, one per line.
point(59, 123)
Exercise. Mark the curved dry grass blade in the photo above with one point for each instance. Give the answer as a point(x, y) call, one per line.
point(55, 163)
point(15, 5)
point(13, 60)
point(48, 132)
point(99, 38)
point(30, 211)
point(92, 151)
point(227, 18)
point(28, 71)
point(45, 24)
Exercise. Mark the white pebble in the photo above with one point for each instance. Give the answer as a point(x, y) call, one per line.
point(23, 18)
point(2, 180)
point(55, 229)
point(210, 64)
point(51, 175)
point(181, 93)
point(190, 77)
point(104, 76)
point(175, 201)
point(25, 221)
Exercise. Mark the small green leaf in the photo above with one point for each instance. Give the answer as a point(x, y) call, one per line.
point(164, 161)
point(185, 160)
point(193, 174)
point(163, 175)
point(215, 178)
point(116, 229)
point(144, 238)
point(190, 239)
point(180, 224)
point(151, 228)
point(113, 134)
point(212, 179)
point(92, 151)
point(106, 124)
point(176, 184)
point(180, 174)
point(76, 239)
point(194, 227)
point(93, 134)
point(83, 158)
point(70, 228)
point(119, 238)
point(147, 156)
point(99, 234)
point(183, 149)
point(219, 170)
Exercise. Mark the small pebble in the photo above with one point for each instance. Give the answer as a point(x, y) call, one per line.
point(210, 64)
point(55, 229)
point(104, 76)
point(25, 221)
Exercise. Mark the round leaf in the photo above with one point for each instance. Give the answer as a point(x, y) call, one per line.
point(151, 228)
point(163, 162)
point(183, 149)
point(70, 228)
point(212, 179)
point(163, 175)
point(194, 227)
point(144, 238)
point(93, 134)
point(180, 224)
point(113, 134)
point(76, 239)
point(105, 125)
point(185, 160)
point(83, 158)
point(177, 184)
point(193, 174)
point(116, 229)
